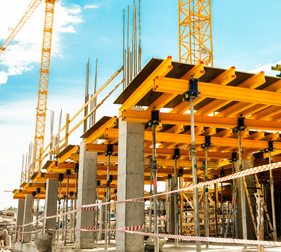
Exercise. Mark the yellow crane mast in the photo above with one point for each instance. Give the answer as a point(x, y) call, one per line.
point(44, 79)
point(23, 20)
point(195, 31)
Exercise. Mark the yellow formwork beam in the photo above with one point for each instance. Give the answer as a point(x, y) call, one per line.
point(254, 82)
point(226, 77)
point(216, 141)
point(160, 152)
point(164, 68)
point(169, 85)
point(234, 109)
point(251, 110)
point(184, 119)
point(196, 72)
point(266, 113)
point(100, 131)
point(66, 156)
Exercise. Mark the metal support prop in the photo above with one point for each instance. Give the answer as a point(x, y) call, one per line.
point(150, 200)
point(216, 206)
point(71, 217)
point(59, 208)
point(206, 201)
point(107, 215)
point(68, 172)
point(260, 220)
point(206, 145)
point(97, 210)
point(154, 173)
point(222, 210)
point(37, 212)
point(272, 199)
point(75, 197)
point(63, 219)
point(242, 192)
point(176, 156)
point(228, 220)
point(234, 196)
point(176, 208)
point(194, 175)
point(115, 198)
point(181, 205)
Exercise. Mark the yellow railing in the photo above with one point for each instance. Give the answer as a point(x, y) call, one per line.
point(36, 166)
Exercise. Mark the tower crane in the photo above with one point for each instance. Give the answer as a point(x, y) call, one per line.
point(195, 31)
point(23, 20)
point(44, 69)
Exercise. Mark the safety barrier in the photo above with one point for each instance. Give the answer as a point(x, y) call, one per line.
point(133, 229)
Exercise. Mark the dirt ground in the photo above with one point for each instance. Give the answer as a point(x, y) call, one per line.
point(190, 246)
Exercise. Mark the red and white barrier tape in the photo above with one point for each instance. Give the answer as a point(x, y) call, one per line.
point(202, 184)
point(88, 208)
point(205, 239)
point(134, 228)
point(129, 228)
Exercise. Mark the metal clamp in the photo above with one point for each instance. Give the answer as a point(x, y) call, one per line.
point(207, 143)
point(76, 168)
point(233, 157)
point(176, 154)
point(154, 118)
point(193, 90)
point(60, 177)
point(241, 126)
point(180, 173)
point(270, 147)
point(109, 151)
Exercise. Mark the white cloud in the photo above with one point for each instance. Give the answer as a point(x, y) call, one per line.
point(266, 68)
point(25, 49)
point(3, 77)
point(93, 6)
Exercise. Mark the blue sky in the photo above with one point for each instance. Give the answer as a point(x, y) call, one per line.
point(246, 34)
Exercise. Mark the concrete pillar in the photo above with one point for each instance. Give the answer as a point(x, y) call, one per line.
point(86, 195)
point(170, 206)
point(240, 184)
point(130, 184)
point(20, 215)
point(51, 203)
point(28, 217)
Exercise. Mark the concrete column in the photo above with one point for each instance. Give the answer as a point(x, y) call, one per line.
point(86, 195)
point(51, 203)
point(20, 215)
point(130, 184)
point(170, 206)
point(28, 217)
point(240, 185)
